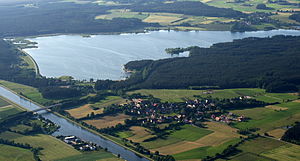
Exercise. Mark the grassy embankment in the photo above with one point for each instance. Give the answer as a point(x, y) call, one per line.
point(7, 109)
point(26, 91)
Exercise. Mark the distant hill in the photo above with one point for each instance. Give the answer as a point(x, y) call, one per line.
point(270, 63)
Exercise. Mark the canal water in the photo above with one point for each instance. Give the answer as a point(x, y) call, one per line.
point(69, 128)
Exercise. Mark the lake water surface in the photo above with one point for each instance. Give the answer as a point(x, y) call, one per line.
point(103, 56)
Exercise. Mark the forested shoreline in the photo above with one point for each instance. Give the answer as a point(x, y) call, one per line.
point(269, 63)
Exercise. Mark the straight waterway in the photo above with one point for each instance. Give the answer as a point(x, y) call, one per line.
point(69, 128)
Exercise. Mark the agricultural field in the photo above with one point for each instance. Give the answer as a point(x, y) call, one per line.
point(267, 149)
point(184, 137)
point(97, 108)
point(284, 17)
point(179, 95)
point(136, 134)
point(108, 121)
point(190, 142)
point(21, 128)
point(268, 119)
point(202, 152)
point(8, 111)
point(165, 19)
point(248, 6)
point(92, 156)
point(52, 147)
point(8, 153)
point(27, 91)
point(83, 111)
point(122, 13)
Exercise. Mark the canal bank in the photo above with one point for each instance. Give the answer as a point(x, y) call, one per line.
point(69, 127)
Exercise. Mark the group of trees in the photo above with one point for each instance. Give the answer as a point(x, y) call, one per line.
point(270, 63)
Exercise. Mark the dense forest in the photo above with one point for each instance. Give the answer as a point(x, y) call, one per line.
point(188, 8)
point(270, 63)
point(9, 60)
point(293, 134)
point(295, 17)
point(51, 18)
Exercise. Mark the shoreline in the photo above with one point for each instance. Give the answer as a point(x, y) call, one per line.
point(147, 30)
point(36, 67)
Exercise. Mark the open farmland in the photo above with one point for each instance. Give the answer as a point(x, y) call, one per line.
point(92, 156)
point(247, 6)
point(140, 134)
point(163, 18)
point(21, 128)
point(179, 95)
point(11, 153)
point(108, 121)
point(189, 139)
point(188, 134)
point(199, 153)
point(267, 119)
point(52, 147)
point(267, 149)
point(83, 111)
point(122, 13)
point(289, 152)
point(8, 111)
point(97, 108)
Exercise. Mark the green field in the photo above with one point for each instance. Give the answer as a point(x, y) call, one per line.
point(11, 153)
point(29, 92)
point(269, 119)
point(92, 156)
point(187, 133)
point(267, 149)
point(289, 152)
point(202, 152)
point(21, 128)
point(122, 13)
point(243, 6)
point(179, 95)
point(8, 111)
point(250, 157)
point(52, 147)
point(3, 102)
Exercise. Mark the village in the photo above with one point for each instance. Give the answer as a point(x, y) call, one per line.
point(188, 112)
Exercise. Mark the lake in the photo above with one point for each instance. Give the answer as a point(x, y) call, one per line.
point(103, 56)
